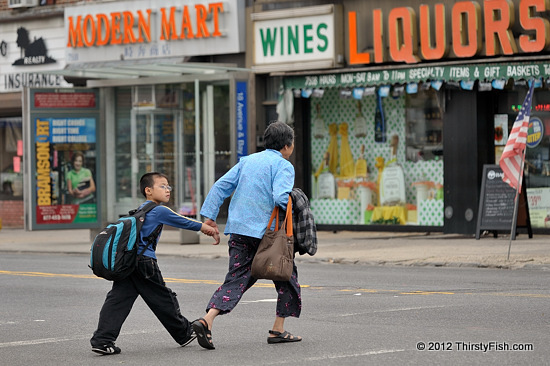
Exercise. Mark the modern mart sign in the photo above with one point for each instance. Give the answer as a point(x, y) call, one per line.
point(145, 29)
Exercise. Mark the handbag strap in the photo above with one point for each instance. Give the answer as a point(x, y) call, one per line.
point(274, 215)
point(288, 218)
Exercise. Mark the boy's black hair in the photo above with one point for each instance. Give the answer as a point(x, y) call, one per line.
point(148, 180)
point(278, 135)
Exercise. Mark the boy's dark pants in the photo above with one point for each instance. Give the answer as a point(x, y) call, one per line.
point(147, 282)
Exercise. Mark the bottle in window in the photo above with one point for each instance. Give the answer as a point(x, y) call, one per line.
point(379, 122)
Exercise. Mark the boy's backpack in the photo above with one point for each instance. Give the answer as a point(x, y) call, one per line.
point(114, 252)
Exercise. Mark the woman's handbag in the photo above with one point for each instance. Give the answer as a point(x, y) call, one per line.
point(274, 259)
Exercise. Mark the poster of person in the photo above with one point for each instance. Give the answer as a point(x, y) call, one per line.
point(65, 170)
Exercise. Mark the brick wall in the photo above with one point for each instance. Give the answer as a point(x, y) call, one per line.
point(12, 214)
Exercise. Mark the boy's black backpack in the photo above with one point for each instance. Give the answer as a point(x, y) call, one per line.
point(114, 252)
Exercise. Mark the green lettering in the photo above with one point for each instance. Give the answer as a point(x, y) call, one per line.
point(293, 40)
point(307, 38)
point(323, 37)
point(268, 41)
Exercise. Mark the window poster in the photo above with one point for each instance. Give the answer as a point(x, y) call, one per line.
point(65, 164)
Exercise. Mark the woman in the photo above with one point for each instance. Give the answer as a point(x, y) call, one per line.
point(258, 183)
point(80, 182)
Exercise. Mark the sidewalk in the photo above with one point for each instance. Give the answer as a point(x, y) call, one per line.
point(374, 248)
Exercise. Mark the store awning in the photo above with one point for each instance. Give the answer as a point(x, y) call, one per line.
point(434, 72)
point(133, 69)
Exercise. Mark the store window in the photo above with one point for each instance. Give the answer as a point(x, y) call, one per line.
point(537, 152)
point(11, 152)
point(377, 157)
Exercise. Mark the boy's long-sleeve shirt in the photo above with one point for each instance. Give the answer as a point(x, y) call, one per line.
point(163, 215)
point(258, 183)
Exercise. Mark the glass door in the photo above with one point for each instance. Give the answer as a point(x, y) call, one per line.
point(182, 130)
point(155, 144)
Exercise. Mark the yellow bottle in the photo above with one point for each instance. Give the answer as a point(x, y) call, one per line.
point(361, 170)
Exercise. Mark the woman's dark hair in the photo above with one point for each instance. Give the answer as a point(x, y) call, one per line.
point(278, 135)
point(77, 154)
point(148, 180)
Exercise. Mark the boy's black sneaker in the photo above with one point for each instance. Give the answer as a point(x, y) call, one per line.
point(106, 350)
point(191, 338)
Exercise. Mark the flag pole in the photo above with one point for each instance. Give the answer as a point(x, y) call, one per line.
point(516, 203)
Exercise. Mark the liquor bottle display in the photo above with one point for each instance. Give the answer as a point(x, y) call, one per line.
point(379, 122)
point(326, 182)
point(360, 123)
point(319, 128)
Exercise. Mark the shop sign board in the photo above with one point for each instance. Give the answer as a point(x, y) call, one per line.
point(64, 159)
point(477, 28)
point(297, 37)
point(496, 204)
point(28, 51)
point(132, 30)
point(523, 70)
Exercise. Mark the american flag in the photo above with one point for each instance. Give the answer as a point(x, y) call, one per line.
point(511, 161)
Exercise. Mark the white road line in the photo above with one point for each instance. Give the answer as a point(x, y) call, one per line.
point(335, 357)
point(253, 301)
point(393, 310)
point(33, 342)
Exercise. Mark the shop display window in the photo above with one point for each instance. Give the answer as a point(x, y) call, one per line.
point(11, 169)
point(377, 160)
point(537, 152)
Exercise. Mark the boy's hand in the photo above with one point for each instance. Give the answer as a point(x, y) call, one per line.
point(213, 224)
point(211, 231)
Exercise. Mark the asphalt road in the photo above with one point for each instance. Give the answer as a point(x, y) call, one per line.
point(352, 315)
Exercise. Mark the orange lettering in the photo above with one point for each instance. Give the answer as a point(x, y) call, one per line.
point(402, 35)
point(378, 31)
point(102, 29)
point(499, 28)
point(466, 29)
point(128, 27)
point(75, 33)
point(216, 8)
point(202, 13)
point(440, 48)
point(540, 40)
point(186, 24)
point(168, 25)
point(355, 57)
point(88, 30)
point(144, 26)
point(115, 28)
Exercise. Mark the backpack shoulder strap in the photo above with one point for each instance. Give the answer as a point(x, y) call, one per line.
point(148, 206)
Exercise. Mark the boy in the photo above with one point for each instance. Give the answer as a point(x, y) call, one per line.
point(146, 280)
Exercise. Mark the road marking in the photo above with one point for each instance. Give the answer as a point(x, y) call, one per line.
point(335, 357)
point(34, 342)
point(393, 310)
point(253, 301)
point(270, 285)
point(170, 280)
point(369, 353)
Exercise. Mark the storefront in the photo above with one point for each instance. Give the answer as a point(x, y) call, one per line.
point(158, 106)
point(29, 48)
point(398, 131)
